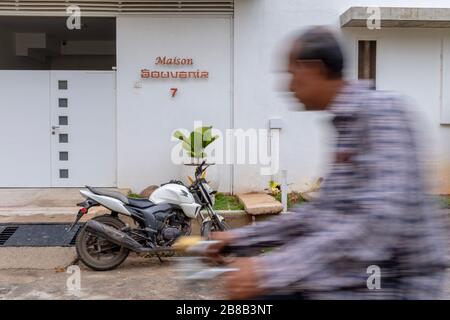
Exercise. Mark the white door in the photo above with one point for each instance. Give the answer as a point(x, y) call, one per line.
point(83, 119)
point(24, 129)
point(152, 110)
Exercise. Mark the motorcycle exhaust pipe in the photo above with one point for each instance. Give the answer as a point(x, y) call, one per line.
point(113, 235)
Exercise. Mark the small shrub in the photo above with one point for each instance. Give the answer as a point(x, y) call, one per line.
point(227, 202)
point(293, 198)
point(134, 195)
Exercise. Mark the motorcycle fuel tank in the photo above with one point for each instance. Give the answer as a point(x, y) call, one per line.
point(176, 194)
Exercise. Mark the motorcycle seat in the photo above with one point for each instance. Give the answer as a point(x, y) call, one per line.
point(140, 203)
point(109, 193)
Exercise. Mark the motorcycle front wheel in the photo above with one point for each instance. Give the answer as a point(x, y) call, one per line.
point(97, 253)
point(208, 227)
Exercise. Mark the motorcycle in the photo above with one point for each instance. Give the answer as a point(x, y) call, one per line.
point(104, 242)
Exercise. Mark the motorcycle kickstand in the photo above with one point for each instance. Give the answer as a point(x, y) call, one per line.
point(159, 257)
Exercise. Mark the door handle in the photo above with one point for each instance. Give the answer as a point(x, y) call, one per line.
point(54, 128)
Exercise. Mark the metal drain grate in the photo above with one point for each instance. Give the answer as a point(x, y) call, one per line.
point(6, 233)
point(38, 235)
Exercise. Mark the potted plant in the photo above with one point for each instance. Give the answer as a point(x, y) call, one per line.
point(194, 146)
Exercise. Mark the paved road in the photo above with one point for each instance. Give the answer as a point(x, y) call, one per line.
point(138, 278)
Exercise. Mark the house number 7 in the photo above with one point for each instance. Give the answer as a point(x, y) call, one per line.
point(174, 91)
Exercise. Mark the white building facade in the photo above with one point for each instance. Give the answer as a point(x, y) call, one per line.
point(98, 105)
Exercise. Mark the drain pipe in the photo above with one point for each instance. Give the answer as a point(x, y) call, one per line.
point(275, 126)
point(284, 190)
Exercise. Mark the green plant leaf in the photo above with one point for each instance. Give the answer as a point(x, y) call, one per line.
point(207, 133)
point(186, 146)
point(211, 141)
point(198, 140)
point(179, 135)
point(192, 155)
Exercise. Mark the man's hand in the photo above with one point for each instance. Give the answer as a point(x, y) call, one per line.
point(243, 284)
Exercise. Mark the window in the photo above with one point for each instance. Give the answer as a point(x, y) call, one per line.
point(63, 156)
point(63, 173)
point(62, 84)
point(367, 61)
point(44, 43)
point(63, 138)
point(62, 102)
point(63, 120)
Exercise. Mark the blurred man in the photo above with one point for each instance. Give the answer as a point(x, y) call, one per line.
point(372, 233)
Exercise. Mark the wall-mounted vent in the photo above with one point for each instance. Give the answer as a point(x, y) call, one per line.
point(113, 8)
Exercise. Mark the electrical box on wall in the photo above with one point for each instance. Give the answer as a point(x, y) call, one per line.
point(276, 123)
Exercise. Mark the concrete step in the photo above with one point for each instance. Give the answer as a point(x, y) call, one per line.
point(260, 204)
point(42, 197)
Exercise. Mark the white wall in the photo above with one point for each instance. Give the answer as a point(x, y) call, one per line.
point(147, 115)
point(445, 108)
point(409, 62)
point(24, 128)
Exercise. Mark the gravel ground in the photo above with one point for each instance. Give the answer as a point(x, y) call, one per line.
point(137, 278)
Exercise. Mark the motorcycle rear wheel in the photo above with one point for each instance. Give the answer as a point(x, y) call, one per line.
point(99, 254)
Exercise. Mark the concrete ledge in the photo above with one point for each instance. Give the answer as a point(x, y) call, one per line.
point(42, 197)
point(398, 17)
point(47, 215)
point(36, 257)
point(260, 204)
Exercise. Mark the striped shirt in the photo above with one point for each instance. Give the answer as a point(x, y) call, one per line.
point(372, 216)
